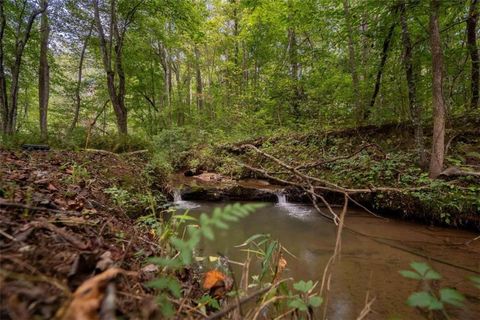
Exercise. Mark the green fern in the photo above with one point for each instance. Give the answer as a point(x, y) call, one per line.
point(169, 285)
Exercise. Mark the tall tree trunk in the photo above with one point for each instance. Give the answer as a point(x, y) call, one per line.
point(351, 57)
point(116, 93)
point(78, 98)
point(4, 107)
point(473, 50)
point(198, 76)
point(44, 74)
point(438, 141)
point(381, 67)
point(294, 72)
point(415, 109)
point(9, 108)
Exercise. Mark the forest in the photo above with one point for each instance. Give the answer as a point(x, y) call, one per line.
point(239, 159)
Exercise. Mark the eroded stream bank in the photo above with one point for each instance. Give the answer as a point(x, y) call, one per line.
point(373, 251)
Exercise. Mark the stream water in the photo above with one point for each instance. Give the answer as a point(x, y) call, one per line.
point(368, 263)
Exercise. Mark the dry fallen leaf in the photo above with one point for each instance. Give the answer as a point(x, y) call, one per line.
point(51, 187)
point(212, 279)
point(87, 299)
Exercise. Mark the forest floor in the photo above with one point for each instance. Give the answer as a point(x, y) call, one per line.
point(66, 216)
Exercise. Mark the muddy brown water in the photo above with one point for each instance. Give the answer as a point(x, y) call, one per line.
point(367, 264)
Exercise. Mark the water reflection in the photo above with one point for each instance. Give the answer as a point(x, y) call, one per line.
point(364, 264)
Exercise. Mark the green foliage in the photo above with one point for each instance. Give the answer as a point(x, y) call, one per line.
point(304, 299)
point(185, 247)
point(430, 299)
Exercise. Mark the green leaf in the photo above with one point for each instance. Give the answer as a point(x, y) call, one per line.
point(315, 301)
point(476, 281)
point(169, 283)
point(451, 296)
point(298, 304)
point(166, 306)
point(303, 286)
point(220, 224)
point(267, 258)
point(432, 275)
point(204, 219)
point(184, 217)
point(208, 232)
point(420, 267)
point(410, 274)
point(164, 262)
point(424, 299)
point(251, 239)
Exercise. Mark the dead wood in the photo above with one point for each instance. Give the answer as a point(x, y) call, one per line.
point(456, 172)
point(313, 185)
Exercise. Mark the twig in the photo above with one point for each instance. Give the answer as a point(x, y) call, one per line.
point(366, 310)
point(243, 300)
point(6, 235)
point(33, 208)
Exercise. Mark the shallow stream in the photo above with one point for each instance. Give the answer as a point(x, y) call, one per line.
point(373, 251)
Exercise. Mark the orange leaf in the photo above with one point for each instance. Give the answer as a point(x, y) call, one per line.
point(212, 278)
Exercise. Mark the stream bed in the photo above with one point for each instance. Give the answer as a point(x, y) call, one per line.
point(369, 261)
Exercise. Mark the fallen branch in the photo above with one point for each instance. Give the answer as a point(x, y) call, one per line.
point(233, 306)
point(456, 172)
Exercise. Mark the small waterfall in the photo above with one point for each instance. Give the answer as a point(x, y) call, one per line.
point(281, 198)
point(296, 210)
point(177, 196)
point(182, 204)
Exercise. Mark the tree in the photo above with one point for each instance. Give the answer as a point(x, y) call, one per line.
point(378, 81)
point(473, 50)
point(9, 101)
point(78, 98)
point(438, 140)
point(351, 57)
point(44, 73)
point(415, 109)
point(112, 57)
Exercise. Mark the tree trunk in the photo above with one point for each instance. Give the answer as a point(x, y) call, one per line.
point(9, 109)
point(4, 107)
point(438, 141)
point(415, 109)
point(473, 50)
point(78, 98)
point(44, 74)
point(383, 60)
point(116, 94)
point(294, 72)
point(351, 57)
point(199, 80)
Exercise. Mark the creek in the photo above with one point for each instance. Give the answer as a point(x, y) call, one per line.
point(373, 251)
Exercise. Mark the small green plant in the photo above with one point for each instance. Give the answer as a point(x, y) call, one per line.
point(431, 300)
point(182, 249)
point(304, 300)
point(119, 196)
point(79, 174)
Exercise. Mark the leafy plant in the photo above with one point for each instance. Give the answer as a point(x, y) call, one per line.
point(183, 247)
point(304, 300)
point(430, 300)
point(119, 196)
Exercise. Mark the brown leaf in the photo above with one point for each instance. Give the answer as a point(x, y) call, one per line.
point(51, 187)
point(88, 298)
